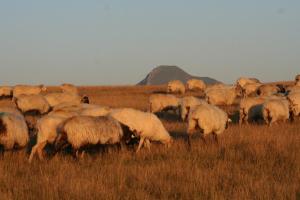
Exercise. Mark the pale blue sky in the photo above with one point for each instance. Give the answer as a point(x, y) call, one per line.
point(119, 42)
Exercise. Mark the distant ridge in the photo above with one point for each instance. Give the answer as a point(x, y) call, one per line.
point(164, 73)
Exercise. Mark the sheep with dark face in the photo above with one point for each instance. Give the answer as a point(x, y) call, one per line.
point(144, 125)
point(13, 131)
point(86, 130)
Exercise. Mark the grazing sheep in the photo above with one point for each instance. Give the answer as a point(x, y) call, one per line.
point(69, 88)
point(27, 90)
point(243, 81)
point(145, 125)
point(225, 96)
point(6, 91)
point(250, 89)
point(13, 131)
point(57, 98)
point(162, 102)
point(35, 102)
point(268, 90)
point(276, 110)
point(187, 104)
point(175, 86)
point(46, 133)
point(86, 130)
point(251, 109)
point(294, 100)
point(96, 111)
point(209, 119)
point(196, 84)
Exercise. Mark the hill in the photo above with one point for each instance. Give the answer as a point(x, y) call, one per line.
point(163, 74)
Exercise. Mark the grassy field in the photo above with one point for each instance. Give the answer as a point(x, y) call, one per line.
point(250, 162)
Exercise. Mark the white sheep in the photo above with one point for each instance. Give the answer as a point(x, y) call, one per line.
point(96, 111)
point(224, 96)
point(208, 118)
point(57, 98)
point(188, 103)
point(250, 89)
point(13, 131)
point(195, 84)
point(175, 86)
point(276, 110)
point(69, 88)
point(294, 100)
point(35, 102)
point(27, 90)
point(145, 125)
point(6, 91)
point(47, 128)
point(242, 81)
point(268, 90)
point(86, 130)
point(250, 108)
point(163, 102)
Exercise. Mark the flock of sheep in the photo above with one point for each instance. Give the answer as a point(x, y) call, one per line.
point(67, 118)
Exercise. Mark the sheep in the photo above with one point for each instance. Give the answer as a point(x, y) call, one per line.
point(46, 133)
point(86, 130)
point(57, 98)
point(13, 131)
point(208, 118)
point(6, 91)
point(250, 89)
point(196, 84)
point(69, 88)
point(276, 110)
point(27, 90)
point(188, 103)
point(162, 102)
point(35, 102)
point(250, 108)
point(175, 86)
point(297, 78)
point(294, 100)
point(12, 110)
point(145, 125)
point(292, 89)
point(268, 90)
point(225, 96)
point(242, 81)
point(95, 111)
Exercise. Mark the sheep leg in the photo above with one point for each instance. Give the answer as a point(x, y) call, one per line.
point(147, 144)
point(215, 137)
point(189, 140)
point(140, 144)
point(33, 151)
point(203, 138)
point(40, 150)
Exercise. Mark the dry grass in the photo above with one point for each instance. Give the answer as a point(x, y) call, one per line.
point(250, 162)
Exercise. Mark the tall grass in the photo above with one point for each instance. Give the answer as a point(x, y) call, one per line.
point(250, 162)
